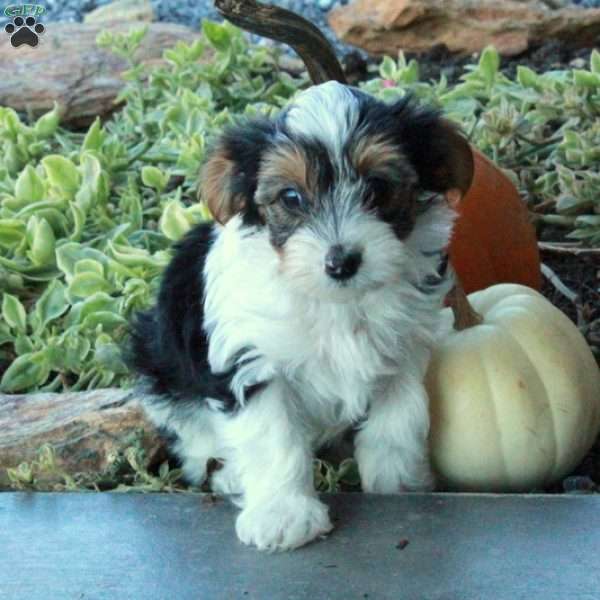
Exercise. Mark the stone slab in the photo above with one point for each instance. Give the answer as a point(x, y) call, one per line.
point(179, 547)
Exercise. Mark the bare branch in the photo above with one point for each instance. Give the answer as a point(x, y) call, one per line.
point(289, 28)
point(555, 280)
point(567, 248)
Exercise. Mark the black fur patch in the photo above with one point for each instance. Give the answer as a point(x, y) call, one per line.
point(418, 130)
point(245, 143)
point(320, 163)
point(431, 283)
point(168, 344)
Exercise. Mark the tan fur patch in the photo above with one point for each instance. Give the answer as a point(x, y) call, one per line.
point(372, 153)
point(289, 164)
point(215, 188)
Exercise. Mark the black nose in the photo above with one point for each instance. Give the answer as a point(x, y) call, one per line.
point(341, 264)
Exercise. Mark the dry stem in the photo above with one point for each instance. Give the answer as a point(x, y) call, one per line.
point(465, 315)
point(285, 26)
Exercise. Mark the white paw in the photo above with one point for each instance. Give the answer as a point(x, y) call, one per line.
point(283, 523)
point(392, 472)
point(225, 480)
point(194, 470)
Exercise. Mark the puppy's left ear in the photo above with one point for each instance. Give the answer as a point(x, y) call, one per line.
point(452, 160)
point(438, 151)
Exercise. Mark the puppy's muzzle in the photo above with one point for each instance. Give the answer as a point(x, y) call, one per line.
point(342, 264)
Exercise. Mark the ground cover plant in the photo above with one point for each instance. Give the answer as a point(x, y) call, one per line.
point(87, 217)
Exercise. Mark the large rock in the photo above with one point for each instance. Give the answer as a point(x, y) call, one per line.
point(86, 429)
point(67, 67)
point(121, 10)
point(464, 26)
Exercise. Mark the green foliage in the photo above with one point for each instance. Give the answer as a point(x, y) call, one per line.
point(126, 470)
point(87, 218)
point(331, 479)
point(543, 128)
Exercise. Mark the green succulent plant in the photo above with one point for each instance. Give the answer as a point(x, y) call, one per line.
point(87, 219)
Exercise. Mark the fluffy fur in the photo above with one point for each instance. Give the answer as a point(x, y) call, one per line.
point(267, 342)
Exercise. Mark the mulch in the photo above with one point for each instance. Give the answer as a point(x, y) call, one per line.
point(551, 55)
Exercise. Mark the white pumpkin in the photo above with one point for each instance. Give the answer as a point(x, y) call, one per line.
point(515, 400)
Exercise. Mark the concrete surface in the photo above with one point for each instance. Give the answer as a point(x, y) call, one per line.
point(405, 547)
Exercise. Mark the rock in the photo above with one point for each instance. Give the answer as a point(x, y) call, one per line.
point(464, 26)
point(85, 428)
point(121, 10)
point(290, 64)
point(325, 5)
point(69, 68)
point(578, 63)
point(556, 3)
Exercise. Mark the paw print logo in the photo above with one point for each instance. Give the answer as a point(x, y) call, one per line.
point(24, 31)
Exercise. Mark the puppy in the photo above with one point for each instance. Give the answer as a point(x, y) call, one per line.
point(309, 308)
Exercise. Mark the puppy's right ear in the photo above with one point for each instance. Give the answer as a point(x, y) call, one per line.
point(216, 184)
point(229, 177)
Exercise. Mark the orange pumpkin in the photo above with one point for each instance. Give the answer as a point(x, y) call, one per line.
point(493, 240)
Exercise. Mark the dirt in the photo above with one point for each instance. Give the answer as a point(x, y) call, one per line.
point(439, 61)
point(549, 56)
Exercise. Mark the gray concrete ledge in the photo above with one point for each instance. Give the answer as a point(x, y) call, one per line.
point(180, 547)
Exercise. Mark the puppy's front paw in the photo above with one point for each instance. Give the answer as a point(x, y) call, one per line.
point(225, 480)
point(283, 523)
point(391, 472)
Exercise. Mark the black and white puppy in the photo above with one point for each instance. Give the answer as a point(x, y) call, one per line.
point(309, 308)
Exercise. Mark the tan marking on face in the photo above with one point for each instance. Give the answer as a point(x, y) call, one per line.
point(372, 153)
point(287, 165)
point(215, 188)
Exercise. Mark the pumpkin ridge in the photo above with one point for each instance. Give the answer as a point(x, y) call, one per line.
point(546, 398)
point(492, 392)
point(564, 325)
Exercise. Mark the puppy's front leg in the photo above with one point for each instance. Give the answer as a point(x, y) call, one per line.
point(273, 456)
point(391, 447)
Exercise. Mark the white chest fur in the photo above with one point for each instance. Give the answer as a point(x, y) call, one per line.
point(336, 355)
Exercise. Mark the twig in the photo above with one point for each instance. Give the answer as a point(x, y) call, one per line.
point(285, 26)
point(540, 144)
point(566, 248)
point(558, 220)
point(554, 279)
point(518, 158)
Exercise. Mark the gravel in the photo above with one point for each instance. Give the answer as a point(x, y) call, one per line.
point(191, 12)
point(587, 3)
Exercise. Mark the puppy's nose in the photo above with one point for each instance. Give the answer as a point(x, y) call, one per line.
point(341, 264)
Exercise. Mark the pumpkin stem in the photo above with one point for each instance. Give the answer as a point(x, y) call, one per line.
point(465, 315)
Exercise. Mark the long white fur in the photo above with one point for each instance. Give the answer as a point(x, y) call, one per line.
point(335, 356)
point(327, 112)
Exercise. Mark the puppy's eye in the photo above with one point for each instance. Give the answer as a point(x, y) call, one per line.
point(291, 199)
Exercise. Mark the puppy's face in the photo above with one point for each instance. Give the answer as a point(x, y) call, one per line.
point(335, 182)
